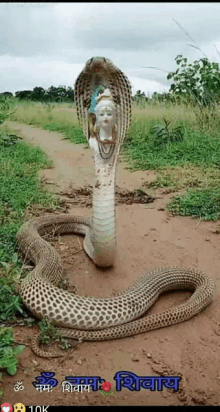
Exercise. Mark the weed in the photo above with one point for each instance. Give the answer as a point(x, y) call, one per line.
point(160, 135)
point(8, 139)
point(10, 303)
point(49, 334)
point(9, 354)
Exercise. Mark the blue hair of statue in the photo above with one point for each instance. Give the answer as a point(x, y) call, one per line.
point(93, 100)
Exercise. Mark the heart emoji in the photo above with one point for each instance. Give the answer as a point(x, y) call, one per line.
point(6, 407)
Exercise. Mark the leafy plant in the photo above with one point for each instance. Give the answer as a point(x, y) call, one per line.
point(10, 303)
point(8, 139)
point(8, 354)
point(199, 81)
point(49, 333)
point(160, 135)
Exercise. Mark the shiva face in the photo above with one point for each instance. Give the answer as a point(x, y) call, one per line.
point(105, 115)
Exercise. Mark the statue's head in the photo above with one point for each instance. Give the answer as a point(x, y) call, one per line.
point(105, 110)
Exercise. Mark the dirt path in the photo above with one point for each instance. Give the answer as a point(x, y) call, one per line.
point(147, 238)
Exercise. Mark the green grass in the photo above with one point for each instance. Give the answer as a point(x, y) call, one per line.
point(191, 164)
point(20, 188)
point(203, 203)
point(197, 148)
point(72, 133)
point(51, 117)
point(187, 176)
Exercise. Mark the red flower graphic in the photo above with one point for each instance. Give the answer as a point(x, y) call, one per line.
point(106, 389)
point(106, 386)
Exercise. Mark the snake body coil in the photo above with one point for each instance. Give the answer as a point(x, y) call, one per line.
point(101, 318)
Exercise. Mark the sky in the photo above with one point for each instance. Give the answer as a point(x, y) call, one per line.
point(48, 44)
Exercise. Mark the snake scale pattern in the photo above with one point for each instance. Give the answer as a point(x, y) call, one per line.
point(89, 318)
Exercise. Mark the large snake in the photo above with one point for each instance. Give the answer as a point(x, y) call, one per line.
point(89, 318)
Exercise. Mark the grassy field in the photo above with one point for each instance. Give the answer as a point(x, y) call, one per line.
point(191, 164)
point(54, 117)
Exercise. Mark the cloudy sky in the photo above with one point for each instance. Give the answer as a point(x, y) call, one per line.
point(44, 44)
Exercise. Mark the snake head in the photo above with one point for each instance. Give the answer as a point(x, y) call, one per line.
point(96, 63)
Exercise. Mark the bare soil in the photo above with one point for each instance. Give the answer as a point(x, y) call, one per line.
point(147, 237)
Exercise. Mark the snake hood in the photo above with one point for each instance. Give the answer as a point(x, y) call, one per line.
point(98, 74)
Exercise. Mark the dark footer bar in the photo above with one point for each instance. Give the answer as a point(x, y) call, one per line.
point(48, 408)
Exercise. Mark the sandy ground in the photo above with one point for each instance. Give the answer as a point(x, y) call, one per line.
point(147, 237)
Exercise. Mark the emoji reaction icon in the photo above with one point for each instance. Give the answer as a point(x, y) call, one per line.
point(19, 407)
point(6, 407)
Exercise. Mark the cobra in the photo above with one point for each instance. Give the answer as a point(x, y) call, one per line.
point(90, 318)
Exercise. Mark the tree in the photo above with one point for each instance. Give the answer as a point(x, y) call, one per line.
point(61, 93)
point(200, 80)
point(140, 97)
point(6, 95)
point(52, 94)
point(70, 93)
point(56, 94)
point(38, 94)
point(24, 94)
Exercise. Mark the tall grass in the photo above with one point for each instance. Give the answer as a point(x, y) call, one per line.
point(54, 117)
point(197, 148)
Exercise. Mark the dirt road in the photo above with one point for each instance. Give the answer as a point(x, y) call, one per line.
point(147, 237)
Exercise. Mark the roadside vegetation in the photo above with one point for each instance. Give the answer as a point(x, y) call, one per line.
point(21, 193)
point(175, 133)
